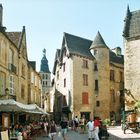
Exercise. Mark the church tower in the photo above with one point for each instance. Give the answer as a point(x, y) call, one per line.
point(45, 77)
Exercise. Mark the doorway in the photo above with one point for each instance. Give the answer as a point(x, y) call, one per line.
point(86, 114)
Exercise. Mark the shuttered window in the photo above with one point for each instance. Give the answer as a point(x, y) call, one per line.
point(84, 98)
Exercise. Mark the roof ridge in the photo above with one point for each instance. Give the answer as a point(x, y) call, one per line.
point(98, 41)
point(76, 36)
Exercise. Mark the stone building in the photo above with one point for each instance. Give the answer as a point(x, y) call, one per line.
point(35, 87)
point(88, 78)
point(131, 35)
point(16, 80)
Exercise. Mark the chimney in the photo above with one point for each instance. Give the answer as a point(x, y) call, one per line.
point(1, 15)
point(117, 51)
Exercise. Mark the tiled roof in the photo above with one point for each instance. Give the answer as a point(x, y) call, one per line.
point(57, 57)
point(134, 29)
point(33, 64)
point(79, 46)
point(98, 41)
point(116, 58)
point(132, 24)
point(14, 37)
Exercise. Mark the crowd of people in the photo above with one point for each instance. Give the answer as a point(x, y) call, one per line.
point(94, 128)
point(49, 128)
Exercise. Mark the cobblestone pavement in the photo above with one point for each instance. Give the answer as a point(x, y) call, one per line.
point(71, 135)
point(115, 133)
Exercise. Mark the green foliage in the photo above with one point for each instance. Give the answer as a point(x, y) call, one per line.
point(106, 122)
point(137, 104)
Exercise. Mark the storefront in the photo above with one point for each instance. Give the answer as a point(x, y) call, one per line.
point(12, 112)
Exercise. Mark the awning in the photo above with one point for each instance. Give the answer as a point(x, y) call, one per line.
point(11, 105)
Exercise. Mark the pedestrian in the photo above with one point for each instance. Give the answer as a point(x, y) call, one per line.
point(64, 126)
point(82, 125)
point(90, 126)
point(53, 129)
point(76, 123)
point(96, 127)
point(45, 128)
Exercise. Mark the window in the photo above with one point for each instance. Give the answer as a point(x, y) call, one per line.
point(35, 97)
point(85, 63)
point(3, 54)
point(84, 98)
point(43, 76)
point(32, 95)
point(11, 84)
point(2, 82)
point(85, 79)
point(23, 70)
point(96, 85)
point(95, 52)
point(22, 91)
point(46, 83)
point(112, 75)
point(121, 76)
point(46, 76)
point(64, 52)
point(57, 75)
point(11, 56)
point(95, 67)
point(63, 67)
point(64, 82)
point(43, 83)
point(97, 103)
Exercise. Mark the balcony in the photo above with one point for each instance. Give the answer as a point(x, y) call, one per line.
point(12, 68)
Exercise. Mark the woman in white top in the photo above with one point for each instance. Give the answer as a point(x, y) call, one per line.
point(90, 126)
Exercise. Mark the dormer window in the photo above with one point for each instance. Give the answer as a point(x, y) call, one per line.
point(64, 67)
point(95, 52)
point(64, 52)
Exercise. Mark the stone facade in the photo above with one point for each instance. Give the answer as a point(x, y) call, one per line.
point(15, 69)
point(82, 79)
point(35, 87)
point(131, 36)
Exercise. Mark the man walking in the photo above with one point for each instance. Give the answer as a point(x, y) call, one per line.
point(90, 126)
point(96, 126)
point(64, 126)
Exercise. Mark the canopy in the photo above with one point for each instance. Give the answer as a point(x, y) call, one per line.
point(11, 105)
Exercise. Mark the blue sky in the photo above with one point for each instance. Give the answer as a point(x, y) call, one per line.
point(47, 20)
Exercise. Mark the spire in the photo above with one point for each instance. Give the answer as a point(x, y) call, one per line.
point(98, 41)
point(128, 13)
point(44, 63)
point(127, 22)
